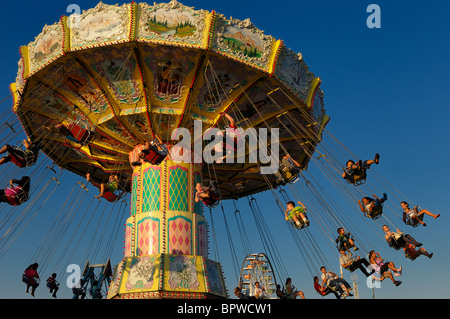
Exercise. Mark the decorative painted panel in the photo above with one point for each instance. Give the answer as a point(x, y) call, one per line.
point(179, 235)
point(178, 190)
point(173, 23)
point(215, 282)
point(148, 236)
point(143, 274)
point(104, 24)
point(184, 273)
point(151, 189)
point(128, 239)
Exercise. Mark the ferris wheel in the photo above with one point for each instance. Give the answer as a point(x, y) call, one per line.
point(257, 268)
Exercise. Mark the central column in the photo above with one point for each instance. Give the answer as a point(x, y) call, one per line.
point(166, 241)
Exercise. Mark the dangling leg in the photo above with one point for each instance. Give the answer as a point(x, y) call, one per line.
point(88, 179)
point(33, 288)
point(54, 293)
point(303, 217)
point(102, 190)
point(427, 212)
point(296, 220)
point(425, 253)
point(4, 160)
point(397, 271)
point(3, 149)
point(352, 244)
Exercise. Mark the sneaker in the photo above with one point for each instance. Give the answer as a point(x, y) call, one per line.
point(355, 248)
point(377, 158)
point(397, 283)
point(385, 196)
point(431, 255)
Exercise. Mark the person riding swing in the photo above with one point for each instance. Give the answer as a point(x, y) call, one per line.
point(296, 215)
point(108, 189)
point(73, 133)
point(355, 173)
point(21, 157)
point(207, 195)
point(16, 195)
point(288, 170)
point(372, 207)
point(154, 151)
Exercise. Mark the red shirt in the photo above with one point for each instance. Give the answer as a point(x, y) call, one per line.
point(318, 288)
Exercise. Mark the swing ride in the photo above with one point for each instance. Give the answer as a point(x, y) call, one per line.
point(94, 88)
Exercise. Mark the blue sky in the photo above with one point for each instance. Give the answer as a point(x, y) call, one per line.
point(386, 91)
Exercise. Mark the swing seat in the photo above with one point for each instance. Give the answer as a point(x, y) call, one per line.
point(23, 159)
point(111, 197)
point(213, 199)
point(17, 200)
point(27, 280)
point(328, 291)
point(302, 222)
point(153, 156)
point(358, 178)
point(414, 224)
point(51, 286)
point(397, 243)
point(289, 175)
point(82, 135)
point(407, 248)
point(18, 161)
point(340, 243)
point(376, 213)
point(408, 223)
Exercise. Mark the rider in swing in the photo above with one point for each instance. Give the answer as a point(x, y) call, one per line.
point(27, 157)
point(296, 214)
point(111, 186)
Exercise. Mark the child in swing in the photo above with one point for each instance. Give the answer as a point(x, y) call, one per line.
point(153, 144)
point(415, 216)
point(52, 284)
point(16, 195)
point(202, 193)
point(353, 168)
point(111, 186)
point(82, 138)
point(30, 275)
point(296, 214)
point(28, 156)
